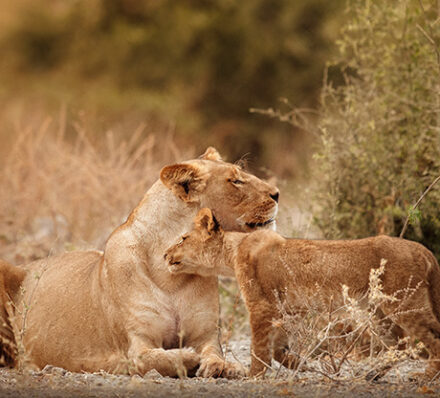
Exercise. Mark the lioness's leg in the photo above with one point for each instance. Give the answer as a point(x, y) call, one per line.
point(213, 363)
point(172, 363)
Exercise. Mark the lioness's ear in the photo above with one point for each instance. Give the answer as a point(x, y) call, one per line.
point(211, 154)
point(185, 180)
point(206, 221)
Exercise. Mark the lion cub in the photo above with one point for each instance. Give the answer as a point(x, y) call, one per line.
point(269, 267)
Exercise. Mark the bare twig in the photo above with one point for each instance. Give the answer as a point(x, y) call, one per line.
point(429, 36)
point(405, 225)
point(350, 349)
point(260, 360)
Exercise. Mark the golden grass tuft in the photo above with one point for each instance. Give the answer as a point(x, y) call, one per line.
point(63, 191)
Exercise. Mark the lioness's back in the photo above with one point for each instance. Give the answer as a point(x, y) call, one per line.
point(61, 283)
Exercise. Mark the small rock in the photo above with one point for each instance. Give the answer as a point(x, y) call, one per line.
point(49, 369)
point(153, 374)
point(135, 381)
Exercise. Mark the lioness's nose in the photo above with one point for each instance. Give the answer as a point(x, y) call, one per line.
point(275, 196)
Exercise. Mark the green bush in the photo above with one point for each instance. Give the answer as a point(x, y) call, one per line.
point(380, 131)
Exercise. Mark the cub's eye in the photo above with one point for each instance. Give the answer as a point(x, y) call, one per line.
point(236, 182)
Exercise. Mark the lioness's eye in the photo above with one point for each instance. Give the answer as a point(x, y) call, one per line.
point(236, 182)
point(181, 240)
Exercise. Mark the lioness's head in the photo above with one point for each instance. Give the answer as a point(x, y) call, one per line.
point(200, 251)
point(239, 200)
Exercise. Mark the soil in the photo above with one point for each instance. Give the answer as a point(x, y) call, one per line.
point(57, 382)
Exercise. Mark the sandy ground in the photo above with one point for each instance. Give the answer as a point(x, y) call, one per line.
point(57, 382)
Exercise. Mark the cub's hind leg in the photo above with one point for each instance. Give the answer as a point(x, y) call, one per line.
point(428, 332)
point(417, 318)
point(281, 351)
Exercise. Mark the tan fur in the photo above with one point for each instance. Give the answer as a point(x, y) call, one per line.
point(121, 310)
point(267, 265)
point(11, 278)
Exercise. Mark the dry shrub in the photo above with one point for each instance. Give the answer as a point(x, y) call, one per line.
point(58, 192)
point(350, 339)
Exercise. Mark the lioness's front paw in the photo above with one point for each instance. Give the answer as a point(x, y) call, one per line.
point(218, 367)
point(211, 367)
point(190, 360)
point(234, 370)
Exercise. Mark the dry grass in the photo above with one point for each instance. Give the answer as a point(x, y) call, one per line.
point(63, 191)
point(352, 339)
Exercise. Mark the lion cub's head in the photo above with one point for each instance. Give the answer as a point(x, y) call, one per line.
point(200, 251)
point(239, 200)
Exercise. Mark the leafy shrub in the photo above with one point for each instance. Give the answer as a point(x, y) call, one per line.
point(380, 131)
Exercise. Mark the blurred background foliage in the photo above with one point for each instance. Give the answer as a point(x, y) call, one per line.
point(193, 67)
point(188, 73)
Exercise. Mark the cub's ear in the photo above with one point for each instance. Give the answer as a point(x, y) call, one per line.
point(211, 154)
point(206, 221)
point(185, 180)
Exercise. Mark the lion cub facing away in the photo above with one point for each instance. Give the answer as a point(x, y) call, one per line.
point(269, 267)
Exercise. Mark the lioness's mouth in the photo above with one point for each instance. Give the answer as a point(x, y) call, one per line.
point(260, 224)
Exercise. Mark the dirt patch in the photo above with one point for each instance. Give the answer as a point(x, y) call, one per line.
point(279, 382)
point(59, 383)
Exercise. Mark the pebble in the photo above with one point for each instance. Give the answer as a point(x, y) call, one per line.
point(153, 374)
point(222, 381)
point(54, 370)
point(136, 381)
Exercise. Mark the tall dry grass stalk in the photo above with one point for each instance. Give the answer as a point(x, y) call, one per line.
point(351, 338)
point(60, 191)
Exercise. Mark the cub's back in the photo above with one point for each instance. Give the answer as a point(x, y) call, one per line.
point(277, 263)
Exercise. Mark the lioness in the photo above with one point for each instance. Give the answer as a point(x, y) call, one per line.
point(268, 267)
point(121, 310)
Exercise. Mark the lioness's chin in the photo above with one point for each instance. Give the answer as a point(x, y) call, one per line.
point(269, 224)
